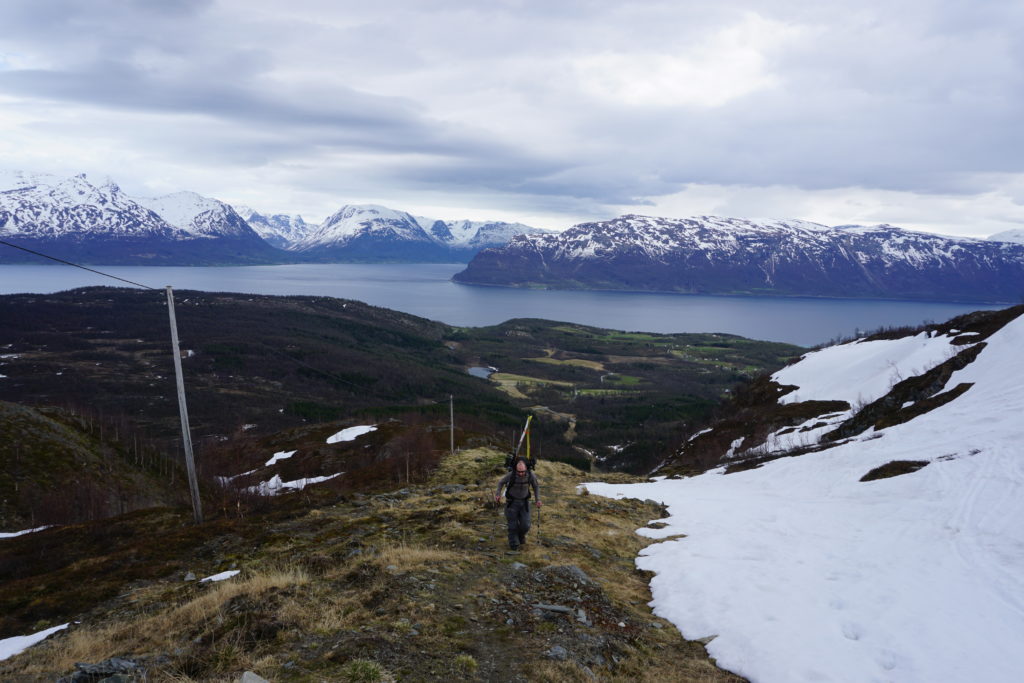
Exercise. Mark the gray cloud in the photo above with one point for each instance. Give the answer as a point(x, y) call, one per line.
point(520, 102)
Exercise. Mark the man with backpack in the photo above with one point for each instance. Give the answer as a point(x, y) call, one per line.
point(517, 484)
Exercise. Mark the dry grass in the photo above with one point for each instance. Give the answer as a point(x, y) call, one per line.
point(426, 561)
point(154, 633)
point(633, 669)
point(323, 612)
point(469, 467)
point(405, 558)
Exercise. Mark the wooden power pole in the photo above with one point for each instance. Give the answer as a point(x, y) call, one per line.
point(190, 465)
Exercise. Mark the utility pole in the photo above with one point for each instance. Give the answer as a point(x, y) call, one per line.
point(190, 465)
point(451, 430)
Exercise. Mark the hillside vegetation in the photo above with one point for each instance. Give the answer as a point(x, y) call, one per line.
point(622, 399)
point(57, 468)
point(259, 366)
point(412, 584)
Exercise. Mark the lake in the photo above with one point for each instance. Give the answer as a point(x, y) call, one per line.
point(426, 290)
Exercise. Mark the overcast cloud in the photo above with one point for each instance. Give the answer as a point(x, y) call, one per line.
point(548, 113)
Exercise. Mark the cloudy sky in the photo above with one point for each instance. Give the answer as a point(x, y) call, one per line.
point(547, 112)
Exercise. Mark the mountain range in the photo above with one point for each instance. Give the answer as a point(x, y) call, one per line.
point(74, 219)
point(371, 232)
point(715, 255)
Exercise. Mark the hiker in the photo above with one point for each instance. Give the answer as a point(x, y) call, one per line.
point(517, 484)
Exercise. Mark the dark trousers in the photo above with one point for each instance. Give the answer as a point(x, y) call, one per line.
point(517, 514)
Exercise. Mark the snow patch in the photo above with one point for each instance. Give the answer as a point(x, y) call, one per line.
point(351, 433)
point(12, 534)
point(221, 577)
point(15, 645)
point(276, 486)
point(279, 456)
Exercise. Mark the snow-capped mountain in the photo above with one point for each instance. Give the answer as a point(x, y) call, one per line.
point(43, 206)
point(199, 216)
point(866, 520)
point(476, 235)
point(715, 255)
point(1016, 236)
point(279, 230)
point(371, 232)
point(73, 219)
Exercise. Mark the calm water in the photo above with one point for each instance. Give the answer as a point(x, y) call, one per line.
point(426, 290)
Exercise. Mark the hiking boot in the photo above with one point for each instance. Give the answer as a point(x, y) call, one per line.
point(513, 546)
point(522, 540)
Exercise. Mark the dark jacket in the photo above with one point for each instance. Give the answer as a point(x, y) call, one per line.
point(519, 487)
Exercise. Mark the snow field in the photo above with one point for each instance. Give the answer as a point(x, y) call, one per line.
point(862, 371)
point(804, 573)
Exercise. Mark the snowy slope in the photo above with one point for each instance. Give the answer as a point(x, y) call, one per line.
point(371, 232)
point(71, 218)
point(1016, 236)
point(199, 216)
point(481, 234)
point(279, 230)
point(863, 371)
point(362, 221)
point(51, 207)
point(369, 222)
point(806, 573)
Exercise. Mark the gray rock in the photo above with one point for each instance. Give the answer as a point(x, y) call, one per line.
point(453, 488)
point(190, 577)
point(114, 670)
point(558, 653)
point(516, 566)
point(250, 677)
point(578, 574)
point(553, 608)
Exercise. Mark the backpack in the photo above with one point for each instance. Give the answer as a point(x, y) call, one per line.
point(529, 485)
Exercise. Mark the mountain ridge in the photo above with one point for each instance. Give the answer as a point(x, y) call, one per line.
point(716, 255)
point(74, 219)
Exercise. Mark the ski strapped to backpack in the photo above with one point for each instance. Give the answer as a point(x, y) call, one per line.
point(531, 460)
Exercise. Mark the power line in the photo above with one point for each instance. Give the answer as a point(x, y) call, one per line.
point(69, 263)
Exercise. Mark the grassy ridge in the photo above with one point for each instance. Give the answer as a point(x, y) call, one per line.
point(414, 584)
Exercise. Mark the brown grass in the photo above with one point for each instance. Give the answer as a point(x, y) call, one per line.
point(155, 633)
